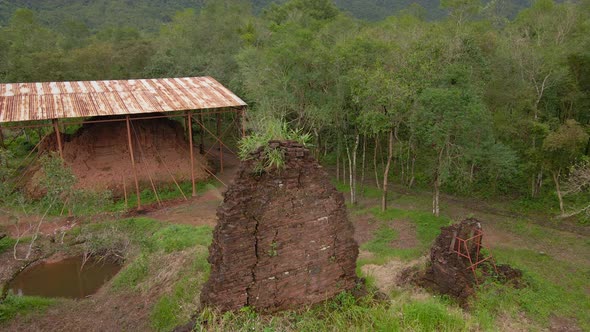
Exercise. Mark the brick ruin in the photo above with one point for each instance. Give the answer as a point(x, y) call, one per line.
point(283, 239)
point(450, 274)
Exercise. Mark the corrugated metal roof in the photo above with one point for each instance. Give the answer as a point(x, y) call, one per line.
point(59, 100)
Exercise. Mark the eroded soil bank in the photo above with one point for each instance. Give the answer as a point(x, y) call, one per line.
point(98, 155)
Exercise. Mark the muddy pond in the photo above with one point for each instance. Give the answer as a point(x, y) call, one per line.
point(66, 278)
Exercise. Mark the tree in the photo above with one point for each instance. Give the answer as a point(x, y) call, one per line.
point(445, 121)
point(564, 147)
point(579, 182)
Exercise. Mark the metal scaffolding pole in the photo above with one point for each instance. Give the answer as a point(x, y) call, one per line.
point(133, 161)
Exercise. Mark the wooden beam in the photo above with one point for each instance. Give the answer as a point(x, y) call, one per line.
point(58, 135)
point(130, 143)
point(190, 140)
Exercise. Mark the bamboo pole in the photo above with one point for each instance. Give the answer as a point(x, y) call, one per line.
point(130, 143)
point(190, 140)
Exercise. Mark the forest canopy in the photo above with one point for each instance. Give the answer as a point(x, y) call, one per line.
point(479, 101)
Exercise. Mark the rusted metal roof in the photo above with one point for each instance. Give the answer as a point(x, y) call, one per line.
point(60, 100)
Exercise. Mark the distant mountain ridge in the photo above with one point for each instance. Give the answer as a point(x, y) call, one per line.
point(149, 14)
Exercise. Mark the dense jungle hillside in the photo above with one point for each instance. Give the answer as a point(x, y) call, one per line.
point(149, 14)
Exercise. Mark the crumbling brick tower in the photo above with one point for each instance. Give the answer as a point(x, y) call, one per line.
point(283, 239)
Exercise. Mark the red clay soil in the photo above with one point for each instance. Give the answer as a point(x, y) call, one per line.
point(283, 239)
point(99, 156)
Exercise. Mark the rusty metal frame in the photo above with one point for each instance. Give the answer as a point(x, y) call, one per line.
point(458, 244)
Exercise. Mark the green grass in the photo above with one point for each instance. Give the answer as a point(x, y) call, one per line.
point(179, 237)
point(6, 244)
point(555, 288)
point(165, 193)
point(431, 315)
point(364, 191)
point(174, 308)
point(155, 243)
point(427, 228)
point(22, 305)
point(344, 313)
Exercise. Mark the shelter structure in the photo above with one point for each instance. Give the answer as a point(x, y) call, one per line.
point(62, 104)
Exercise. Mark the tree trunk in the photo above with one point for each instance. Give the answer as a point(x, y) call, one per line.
point(363, 162)
point(337, 165)
point(375, 165)
point(386, 172)
point(471, 173)
point(344, 169)
point(436, 196)
point(352, 169)
point(556, 176)
point(412, 177)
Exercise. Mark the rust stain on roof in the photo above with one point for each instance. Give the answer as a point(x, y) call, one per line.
point(60, 100)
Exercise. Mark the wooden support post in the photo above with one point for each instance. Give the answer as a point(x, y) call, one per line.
point(130, 143)
point(243, 122)
point(186, 126)
point(190, 140)
point(220, 146)
point(58, 135)
point(125, 192)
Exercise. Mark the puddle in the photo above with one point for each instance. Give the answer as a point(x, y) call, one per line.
point(65, 278)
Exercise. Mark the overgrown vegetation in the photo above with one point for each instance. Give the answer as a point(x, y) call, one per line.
point(273, 130)
point(21, 305)
point(6, 244)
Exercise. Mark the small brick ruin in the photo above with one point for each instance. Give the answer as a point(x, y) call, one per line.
point(450, 274)
point(283, 239)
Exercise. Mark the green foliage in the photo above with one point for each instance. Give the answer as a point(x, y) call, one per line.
point(272, 158)
point(58, 179)
point(132, 274)
point(153, 238)
point(6, 243)
point(13, 305)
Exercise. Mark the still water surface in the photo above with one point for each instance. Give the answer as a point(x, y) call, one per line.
point(66, 278)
